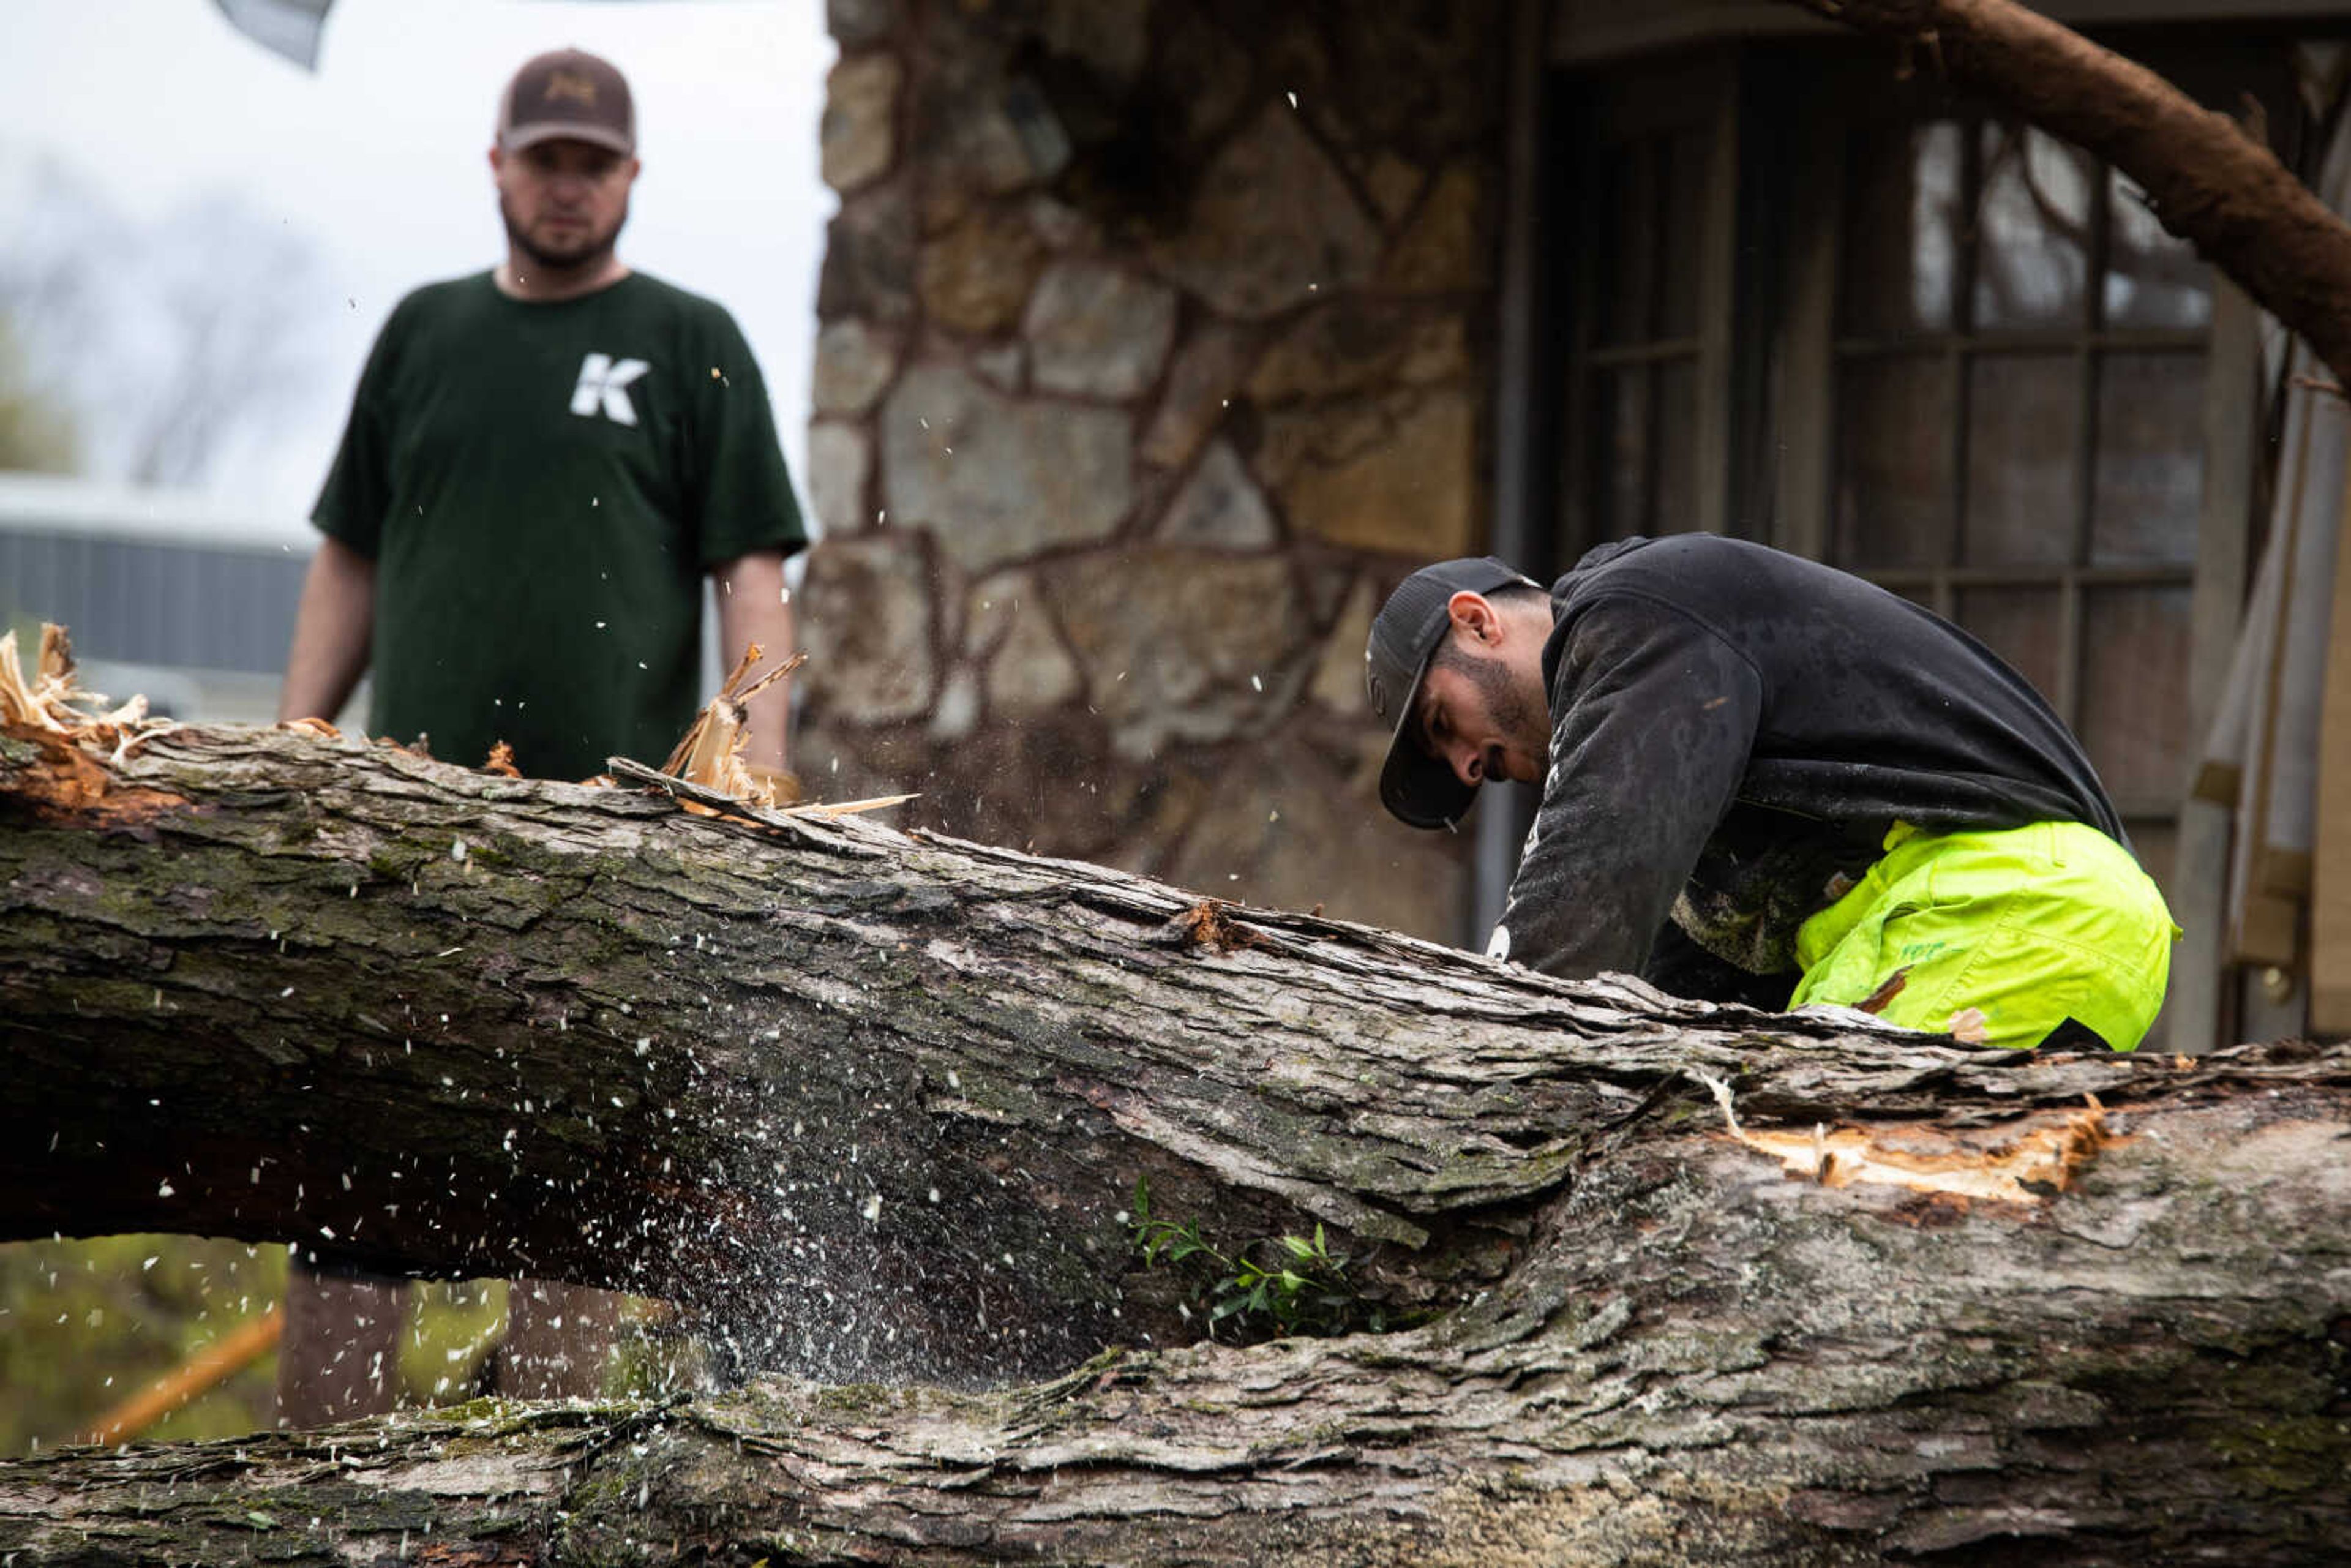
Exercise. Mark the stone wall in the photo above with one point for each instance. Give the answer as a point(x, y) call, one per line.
point(1154, 351)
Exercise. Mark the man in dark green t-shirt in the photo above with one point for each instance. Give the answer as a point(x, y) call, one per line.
point(541, 464)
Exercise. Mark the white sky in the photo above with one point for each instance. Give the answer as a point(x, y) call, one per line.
point(378, 160)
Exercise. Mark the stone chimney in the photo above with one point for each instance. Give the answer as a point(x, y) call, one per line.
point(1154, 351)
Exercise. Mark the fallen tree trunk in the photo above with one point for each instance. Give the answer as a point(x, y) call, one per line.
point(1914, 1301)
point(432, 1020)
point(265, 986)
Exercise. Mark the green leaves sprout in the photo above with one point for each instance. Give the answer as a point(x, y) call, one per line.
point(1277, 1286)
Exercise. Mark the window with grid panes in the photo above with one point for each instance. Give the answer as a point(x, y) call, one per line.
point(2019, 365)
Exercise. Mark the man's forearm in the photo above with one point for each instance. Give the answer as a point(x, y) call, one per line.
point(753, 607)
point(333, 627)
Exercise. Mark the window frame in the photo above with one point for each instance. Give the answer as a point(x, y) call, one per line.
point(1813, 350)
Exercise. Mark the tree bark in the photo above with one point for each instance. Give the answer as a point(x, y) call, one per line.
point(1916, 1301)
point(2207, 179)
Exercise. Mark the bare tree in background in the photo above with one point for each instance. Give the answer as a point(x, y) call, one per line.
point(35, 433)
point(170, 346)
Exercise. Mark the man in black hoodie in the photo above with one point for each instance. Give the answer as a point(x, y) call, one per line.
point(1767, 780)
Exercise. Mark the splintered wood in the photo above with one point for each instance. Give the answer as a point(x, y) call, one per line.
point(1210, 924)
point(2042, 1161)
point(80, 740)
point(52, 702)
point(73, 729)
point(711, 754)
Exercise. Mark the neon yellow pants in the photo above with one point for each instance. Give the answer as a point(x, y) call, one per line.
point(2028, 926)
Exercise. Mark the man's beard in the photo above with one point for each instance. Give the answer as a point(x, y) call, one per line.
point(1522, 723)
point(589, 251)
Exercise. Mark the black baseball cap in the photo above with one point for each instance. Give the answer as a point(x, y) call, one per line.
point(570, 94)
point(1414, 787)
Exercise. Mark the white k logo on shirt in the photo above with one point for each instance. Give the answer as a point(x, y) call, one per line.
point(604, 385)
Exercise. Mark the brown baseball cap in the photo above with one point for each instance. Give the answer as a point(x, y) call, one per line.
point(568, 93)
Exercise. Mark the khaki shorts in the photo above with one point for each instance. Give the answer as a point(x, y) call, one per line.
point(2031, 927)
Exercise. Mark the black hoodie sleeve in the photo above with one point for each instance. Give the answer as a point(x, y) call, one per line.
point(1653, 718)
